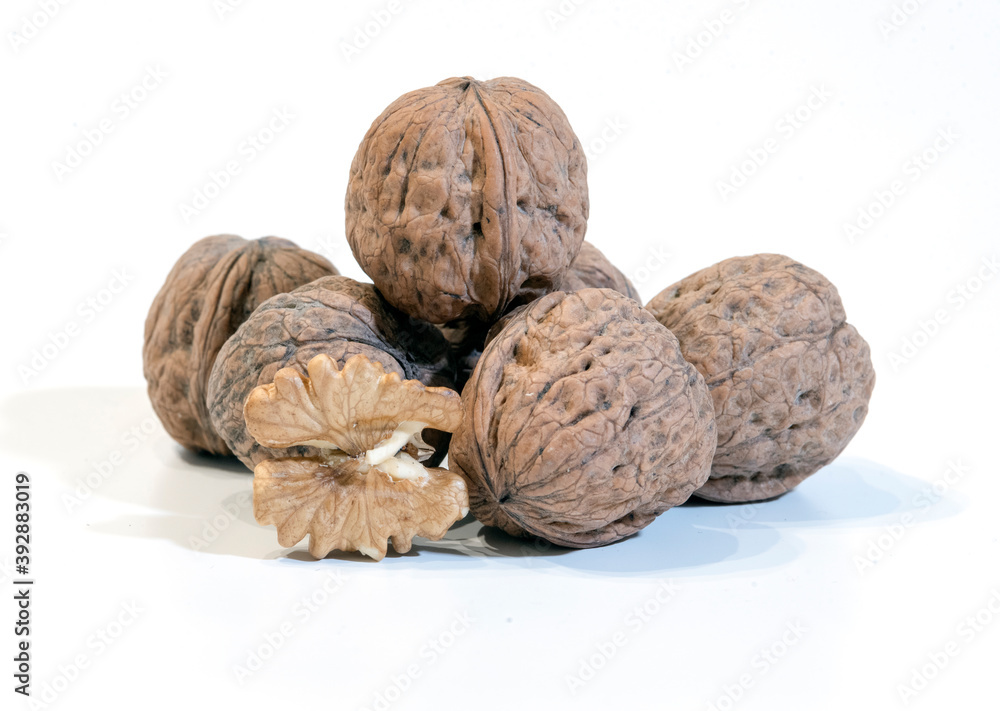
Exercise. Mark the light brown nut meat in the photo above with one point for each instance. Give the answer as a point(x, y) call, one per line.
point(336, 316)
point(582, 422)
point(211, 290)
point(365, 484)
point(789, 377)
point(466, 196)
point(591, 269)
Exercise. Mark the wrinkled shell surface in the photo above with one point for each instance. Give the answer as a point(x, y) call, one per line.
point(591, 269)
point(582, 422)
point(211, 290)
point(466, 196)
point(336, 316)
point(339, 500)
point(789, 377)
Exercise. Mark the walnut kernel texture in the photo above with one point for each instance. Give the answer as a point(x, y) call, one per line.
point(335, 316)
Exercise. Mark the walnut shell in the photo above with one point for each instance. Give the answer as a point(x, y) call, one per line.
point(210, 291)
point(789, 377)
point(336, 316)
point(591, 269)
point(582, 422)
point(466, 338)
point(466, 196)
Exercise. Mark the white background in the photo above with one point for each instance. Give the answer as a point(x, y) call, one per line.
point(515, 625)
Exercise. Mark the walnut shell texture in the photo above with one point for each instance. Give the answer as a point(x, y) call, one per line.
point(210, 291)
point(790, 378)
point(591, 269)
point(466, 196)
point(336, 316)
point(582, 422)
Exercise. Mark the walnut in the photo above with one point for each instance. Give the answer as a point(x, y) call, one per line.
point(789, 377)
point(582, 422)
point(210, 291)
point(466, 196)
point(592, 269)
point(336, 316)
point(466, 339)
point(366, 483)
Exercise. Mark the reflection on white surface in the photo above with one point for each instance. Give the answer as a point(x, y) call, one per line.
point(203, 503)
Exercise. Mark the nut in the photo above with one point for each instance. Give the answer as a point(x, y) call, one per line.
point(582, 422)
point(466, 196)
point(336, 316)
point(466, 338)
point(789, 377)
point(592, 269)
point(211, 290)
point(366, 484)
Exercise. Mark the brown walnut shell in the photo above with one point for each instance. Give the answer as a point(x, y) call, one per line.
point(790, 378)
point(582, 422)
point(466, 196)
point(591, 269)
point(466, 338)
point(210, 291)
point(336, 316)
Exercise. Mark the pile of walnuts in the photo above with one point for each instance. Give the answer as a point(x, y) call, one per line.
point(582, 415)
